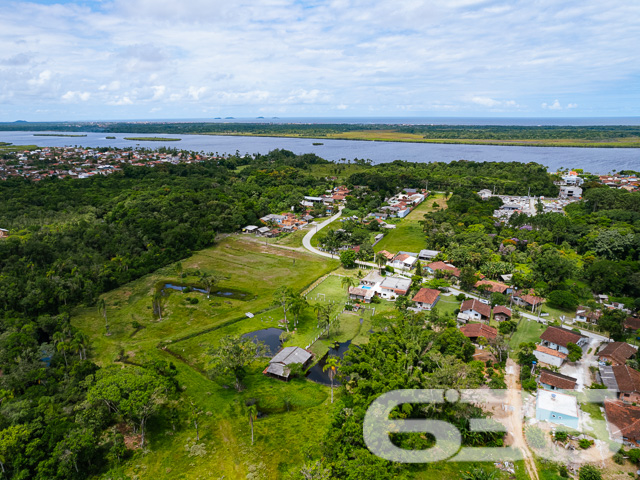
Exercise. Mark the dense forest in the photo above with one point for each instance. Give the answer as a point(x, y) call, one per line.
point(507, 178)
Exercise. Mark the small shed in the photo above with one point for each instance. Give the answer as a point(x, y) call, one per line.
point(279, 365)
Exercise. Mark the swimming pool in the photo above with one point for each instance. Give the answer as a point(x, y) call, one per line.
point(365, 287)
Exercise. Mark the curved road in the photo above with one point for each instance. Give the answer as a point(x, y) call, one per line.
point(306, 241)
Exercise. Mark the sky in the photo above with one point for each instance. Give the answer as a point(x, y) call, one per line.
point(170, 59)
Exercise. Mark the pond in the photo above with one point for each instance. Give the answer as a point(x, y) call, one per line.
point(226, 293)
point(269, 336)
point(317, 375)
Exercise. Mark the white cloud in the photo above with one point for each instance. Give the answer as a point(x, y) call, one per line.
point(554, 106)
point(493, 103)
point(75, 96)
point(158, 91)
point(196, 92)
point(125, 100)
point(42, 78)
point(374, 56)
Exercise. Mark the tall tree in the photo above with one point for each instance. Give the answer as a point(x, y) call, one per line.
point(232, 357)
point(135, 393)
point(102, 309)
point(282, 298)
point(331, 365)
point(252, 412)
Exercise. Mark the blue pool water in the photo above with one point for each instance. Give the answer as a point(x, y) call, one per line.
point(365, 287)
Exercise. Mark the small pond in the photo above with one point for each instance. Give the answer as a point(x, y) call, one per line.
point(317, 375)
point(226, 293)
point(269, 336)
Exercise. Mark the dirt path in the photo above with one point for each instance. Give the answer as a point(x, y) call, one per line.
point(515, 427)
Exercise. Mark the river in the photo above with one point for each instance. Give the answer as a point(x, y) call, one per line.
point(594, 160)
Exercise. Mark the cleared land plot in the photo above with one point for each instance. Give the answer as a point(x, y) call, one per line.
point(252, 268)
point(408, 235)
point(297, 409)
point(528, 331)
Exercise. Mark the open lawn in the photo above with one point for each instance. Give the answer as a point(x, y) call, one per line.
point(297, 409)
point(528, 331)
point(408, 235)
point(447, 305)
point(254, 269)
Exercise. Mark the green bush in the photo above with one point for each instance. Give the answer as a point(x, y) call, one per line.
point(530, 385)
point(634, 455)
point(563, 472)
point(589, 472)
point(585, 443)
point(193, 301)
point(561, 436)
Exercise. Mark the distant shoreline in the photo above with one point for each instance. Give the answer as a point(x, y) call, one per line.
point(56, 135)
point(152, 139)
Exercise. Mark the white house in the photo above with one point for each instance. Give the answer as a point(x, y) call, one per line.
point(549, 356)
point(391, 287)
point(403, 261)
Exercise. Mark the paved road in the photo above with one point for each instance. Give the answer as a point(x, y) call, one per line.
point(306, 241)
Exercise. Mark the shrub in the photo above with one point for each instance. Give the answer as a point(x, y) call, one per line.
point(618, 458)
point(589, 472)
point(461, 297)
point(563, 472)
point(530, 385)
point(561, 436)
point(585, 443)
point(193, 301)
point(634, 455)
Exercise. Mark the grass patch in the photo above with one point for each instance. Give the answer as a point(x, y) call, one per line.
point(408, 235)
point(248, 266)
point(527, 331)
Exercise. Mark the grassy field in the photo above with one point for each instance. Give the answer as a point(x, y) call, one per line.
point(408, 235)
point(447, 305)
point(16, 148)
point(528, 331)
point(298, 409)
point(395, 136)
point(253, 268)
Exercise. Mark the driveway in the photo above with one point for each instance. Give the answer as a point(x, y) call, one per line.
point(580, 370)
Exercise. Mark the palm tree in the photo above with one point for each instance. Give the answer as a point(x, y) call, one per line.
point(208, 282)
point(252, 411)
point(331, 365)
point(381, 260)
point(79, 344)
point(157, 303)
point(60, 341)
point(102, 309)
point(347, 283)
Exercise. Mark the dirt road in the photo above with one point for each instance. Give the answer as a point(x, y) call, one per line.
point(515, 427)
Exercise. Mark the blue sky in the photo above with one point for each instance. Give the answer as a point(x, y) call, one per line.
point(134, 59)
